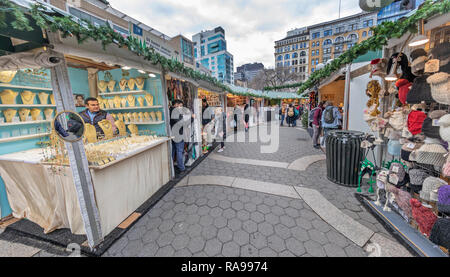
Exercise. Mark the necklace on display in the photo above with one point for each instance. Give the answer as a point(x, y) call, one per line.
point(140, 81)
point(111, 85)
point(9, 114)
point(133, 129)
point(131, 83)
point(149, 99)
point(107, 128)
point(141, 101)
point(35, 114)
point(117, 101)
point(131, 100)
point(102, 85)
point(27, 97)
point(90, 133)
point(123, 84)
point(8, 96)
point(122, 128)
point(23, 114)
point(48, 114)
point(43, 98)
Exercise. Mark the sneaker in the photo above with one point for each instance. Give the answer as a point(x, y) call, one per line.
point(220, 150)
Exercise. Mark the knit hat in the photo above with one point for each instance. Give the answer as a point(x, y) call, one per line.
point(418, 59)
point(432, 66)
point(437, 114)
point(397, 120)
point(417, 176)
point(444, 199)
point(382, 179)
point(394, 147)
point(423, 216)
point(397, 174)
point(420, 91)
point(440, 233)
point(403, 199)
point(429, 130)
point(440, 88)
point(378, 67)
point(403, 86)
point(407, 148)
point(430, 184)
point(415, 121)
point(432, 154)
point(444, 127)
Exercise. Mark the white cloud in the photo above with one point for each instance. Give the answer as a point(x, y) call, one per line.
point(251, 26)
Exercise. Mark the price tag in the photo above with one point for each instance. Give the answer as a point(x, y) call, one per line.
point(395, 168)
point(393, 179)
point(436, 122)
point(411, 145)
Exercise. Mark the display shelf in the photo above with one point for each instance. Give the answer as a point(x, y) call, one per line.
point(26, 106)
point(24, 87)
point(123, 92)
point(23, 137)
point(25, 123)
point(133, 108)
point(145, 123)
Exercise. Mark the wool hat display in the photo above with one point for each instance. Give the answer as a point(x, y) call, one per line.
point(429, 130)
point(406, 133)
point(415, 121)
point(418, 59)
point(394, 147)
point(437, 114)
point(432, 66)
point(423, 216)
point(440, 233)
point(440, 88)
point(382, 179)
point(403, 86)
point(403, 199)
point(444, 127)
point(430, 184)
point(420, 91)
point(397, 174)
point(378, 67)
point(444, 199)
point(407, 148)
point(432, 154)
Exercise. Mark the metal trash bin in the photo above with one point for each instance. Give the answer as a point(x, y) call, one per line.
point(344, 157)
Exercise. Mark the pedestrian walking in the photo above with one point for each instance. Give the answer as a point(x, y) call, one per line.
point(315, 118)
point(221, 128)
point(282, 113)
point(290, 115)
point(176, 115)
point(246, 116)
point(330, 119)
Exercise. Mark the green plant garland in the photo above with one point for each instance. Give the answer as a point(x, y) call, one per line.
point(83, 30)
point(381, 34)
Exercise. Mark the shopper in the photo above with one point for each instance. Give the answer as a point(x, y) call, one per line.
point(316, 115)
point(246, 116)
point(176, 115)
point(297, 114)
point(282, 114)
point(330, 119)
point(290, 115)
point(93, 115)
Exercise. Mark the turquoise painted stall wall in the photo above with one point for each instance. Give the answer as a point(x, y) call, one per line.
point(152, 85)
point(79, 82)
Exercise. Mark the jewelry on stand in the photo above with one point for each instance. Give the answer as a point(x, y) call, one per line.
point(52, 99)
point(117, 101)
point(9, 114)
point(123, 102)
point(131, 83)
point(23, 114)
point(111, 85)
point(140, 81)
point(141, 101)
point(43, 98)
point(48, 114)
point(107, 128)
point(27, 97)
point(90, 133)
point(131, 100)
point(133, 129)
point(122, 128)
point(123, 84)
point(102, 85)
point(149, 99)
point(35, 113)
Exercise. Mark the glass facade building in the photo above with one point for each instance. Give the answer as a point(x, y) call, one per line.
point(394, 11)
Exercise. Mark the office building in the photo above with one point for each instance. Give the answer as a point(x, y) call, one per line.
point(248, 71)
point(292, 52)
point(397, 10)
point(210, 50)
point(183, 50)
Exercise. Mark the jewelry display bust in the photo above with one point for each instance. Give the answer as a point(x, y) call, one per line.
point(107, 128)
point(27, 97)
point(149, 99)
point(9, 114)
point(131, 100)
point(140, 81)
point(8, 97)
point(23, 114)
point(35, 113)
point(43, 98)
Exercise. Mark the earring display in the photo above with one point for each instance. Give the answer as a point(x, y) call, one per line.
point(23, 114)
point(8, 97)
point(9, 114)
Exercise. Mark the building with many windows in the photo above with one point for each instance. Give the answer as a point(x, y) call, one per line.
point(293, 52)
point(328, 40)
point(397, 10)
point(248, 71)
point(183, 50)
point(210, 50)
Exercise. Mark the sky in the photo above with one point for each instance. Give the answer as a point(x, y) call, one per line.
point(251, 26)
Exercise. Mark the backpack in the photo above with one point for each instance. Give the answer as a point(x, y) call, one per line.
point(329, 116)
point(296, 112)
point(311, 114)
point(291, 112)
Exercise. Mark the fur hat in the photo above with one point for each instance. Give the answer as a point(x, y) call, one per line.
point(444, 127)
point(418, 59)
point(432, 154)
point(423, 216)
point(397, 120)
point(420, 91)
point(403, 86)
point(437, 114)
point(430, 184)
point(415, 121)
point(429, 130)
point(440, 88)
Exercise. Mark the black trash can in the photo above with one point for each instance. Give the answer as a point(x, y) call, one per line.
point(344, 156)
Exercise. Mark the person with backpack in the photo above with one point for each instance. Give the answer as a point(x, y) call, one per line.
point(291, 115)
point(282, 113)
point(330, 119)
point(315, 117)
point(296, 115)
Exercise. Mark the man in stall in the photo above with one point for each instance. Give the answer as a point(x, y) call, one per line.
point(93, 115)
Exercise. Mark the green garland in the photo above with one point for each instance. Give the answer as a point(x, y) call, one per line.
point(381, 34)
point(83, 30)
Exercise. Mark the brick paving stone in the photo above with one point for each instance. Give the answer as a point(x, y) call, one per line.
point(258, 240)
point(295, 247)
point(231, 249)
point(213, 247)
point(334, 250)
point(241, 237)
point(276, 243)
point(196, 244)
point(314, 249)
point(225, 234)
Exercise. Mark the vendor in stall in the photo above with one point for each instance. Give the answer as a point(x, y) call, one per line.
point(93, 115)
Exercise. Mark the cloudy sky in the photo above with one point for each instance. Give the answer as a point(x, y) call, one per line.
point(251, 26)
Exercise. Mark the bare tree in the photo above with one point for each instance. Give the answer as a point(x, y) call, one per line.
point(274, 77)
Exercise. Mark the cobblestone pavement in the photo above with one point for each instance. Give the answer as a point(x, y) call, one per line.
point(207, 220)
point(217, 221)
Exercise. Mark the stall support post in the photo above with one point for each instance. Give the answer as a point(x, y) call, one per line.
point(197, 123)
point(347, 95)
point(167, 117)
point(62, 92)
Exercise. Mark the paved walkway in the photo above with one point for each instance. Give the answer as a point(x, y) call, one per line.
point(242, 203)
